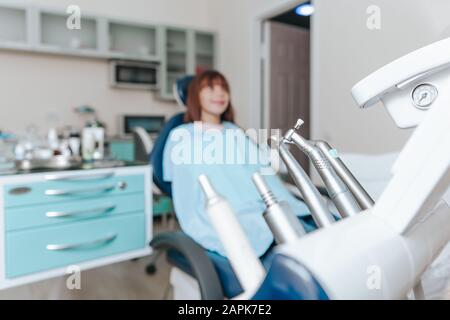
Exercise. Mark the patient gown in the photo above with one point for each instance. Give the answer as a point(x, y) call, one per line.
point(227, 157)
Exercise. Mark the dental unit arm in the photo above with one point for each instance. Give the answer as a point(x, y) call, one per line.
point(338, 191)
point(382, 252)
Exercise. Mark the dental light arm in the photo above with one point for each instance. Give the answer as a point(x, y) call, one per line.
point(283, 223)
point(364, 199)
point(319, 211)
point(337, 189)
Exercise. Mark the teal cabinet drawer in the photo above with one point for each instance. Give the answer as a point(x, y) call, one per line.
point(70, 189)
point(72, 211)
point(42, 249)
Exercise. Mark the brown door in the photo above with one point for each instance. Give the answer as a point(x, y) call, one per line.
point(288, 80)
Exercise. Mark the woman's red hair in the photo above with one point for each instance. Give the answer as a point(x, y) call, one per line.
point(194, 108)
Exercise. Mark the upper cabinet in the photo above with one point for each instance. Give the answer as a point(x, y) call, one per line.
point(127, 40)
point(13, 26)
point(179, 51)
point(205, 53)
point(60, 39)
point(184, 51)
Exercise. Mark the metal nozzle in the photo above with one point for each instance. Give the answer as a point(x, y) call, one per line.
point(299, 123)
point(266, 194)
point(279, 216)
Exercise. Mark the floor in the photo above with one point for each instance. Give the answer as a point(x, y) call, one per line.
point(124, 280)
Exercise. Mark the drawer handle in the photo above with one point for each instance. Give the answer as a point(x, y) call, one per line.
point(101, 241)
point(58, 192)
point(61, 214)
point(79, 177)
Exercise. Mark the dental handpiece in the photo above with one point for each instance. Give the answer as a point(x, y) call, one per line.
point(279, 216)
point(337, 190)
point(244, 261)
point(358, 191)
point(319, 211)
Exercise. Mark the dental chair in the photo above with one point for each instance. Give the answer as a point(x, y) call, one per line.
point(198, 273)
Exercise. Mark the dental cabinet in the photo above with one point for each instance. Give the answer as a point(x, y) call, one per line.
point(86, 218)
point(176, 50)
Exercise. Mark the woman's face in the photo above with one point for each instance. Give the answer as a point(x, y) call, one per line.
point(214, 100)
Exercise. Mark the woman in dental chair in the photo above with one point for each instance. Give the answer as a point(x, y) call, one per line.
point(209, 125)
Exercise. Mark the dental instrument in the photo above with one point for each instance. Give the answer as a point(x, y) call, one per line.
point(384, 250)
point(337, 189)
point(319, 211)
point(362, 197)
point(279, 216)
point(245, 263)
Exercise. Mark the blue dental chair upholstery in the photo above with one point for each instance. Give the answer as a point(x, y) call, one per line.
point(213, 272)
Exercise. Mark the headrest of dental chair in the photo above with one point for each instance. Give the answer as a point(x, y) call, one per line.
point(156, 156)
point(181, 88)
point(287, 279)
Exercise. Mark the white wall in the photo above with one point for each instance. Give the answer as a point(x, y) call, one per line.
point(37, 88)
point(344, 51)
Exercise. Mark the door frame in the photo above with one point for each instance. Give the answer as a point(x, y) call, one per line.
point(259, 56)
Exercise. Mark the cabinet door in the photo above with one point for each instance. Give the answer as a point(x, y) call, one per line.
point(176, 59)
point(184, 52)
point(204, 51)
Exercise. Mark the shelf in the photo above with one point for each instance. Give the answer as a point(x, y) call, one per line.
point(13, 26)
point(55, 34)
point(132, 40)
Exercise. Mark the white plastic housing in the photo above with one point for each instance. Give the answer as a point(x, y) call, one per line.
point(364, 258)
point(394, 83)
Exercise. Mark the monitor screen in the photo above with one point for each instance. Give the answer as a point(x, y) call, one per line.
point(152, 124)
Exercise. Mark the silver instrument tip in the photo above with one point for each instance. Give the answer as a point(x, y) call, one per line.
point(299, 123)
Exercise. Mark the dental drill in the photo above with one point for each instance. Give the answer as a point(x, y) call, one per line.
point(244, 261)
point(337, 189)
point(279, 216)
point(313, 199)
point(358, 191)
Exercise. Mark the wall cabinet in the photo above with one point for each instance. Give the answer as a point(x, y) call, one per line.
point(179, 51)
point(184, 52)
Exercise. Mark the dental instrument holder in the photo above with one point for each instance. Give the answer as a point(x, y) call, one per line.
point(337, 189)
point(415, 91)
point(279, 216)
point(313, 199)
point(244, 261)
point(358, 191)
point(383, 252)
